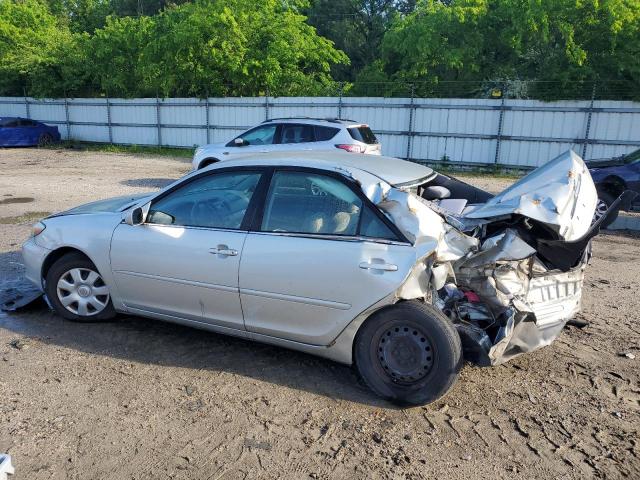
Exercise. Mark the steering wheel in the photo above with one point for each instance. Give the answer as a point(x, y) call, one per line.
point(317, 191)
point(215, 210)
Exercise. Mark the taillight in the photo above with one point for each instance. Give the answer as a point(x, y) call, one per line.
point(351, 148)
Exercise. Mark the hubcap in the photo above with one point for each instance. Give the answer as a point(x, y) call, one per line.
point(405, 353)
point(83, 292)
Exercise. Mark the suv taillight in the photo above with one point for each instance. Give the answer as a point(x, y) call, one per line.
point(351, 148)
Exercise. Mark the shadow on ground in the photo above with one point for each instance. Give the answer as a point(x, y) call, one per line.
point(153, 342)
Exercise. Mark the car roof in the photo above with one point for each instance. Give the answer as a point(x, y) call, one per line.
point(317, 121)
point(393, 171)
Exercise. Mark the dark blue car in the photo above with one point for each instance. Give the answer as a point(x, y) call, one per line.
point(613, 176)
point(22, 132)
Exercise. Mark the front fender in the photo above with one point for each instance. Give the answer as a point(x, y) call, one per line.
point(90, 234)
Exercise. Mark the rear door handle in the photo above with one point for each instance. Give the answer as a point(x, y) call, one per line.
point(379, 264)
point(224, 251)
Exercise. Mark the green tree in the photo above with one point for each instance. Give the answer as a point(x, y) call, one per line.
point(237, 47)
point(563, 44)
point(38, 52)
point(357, 27)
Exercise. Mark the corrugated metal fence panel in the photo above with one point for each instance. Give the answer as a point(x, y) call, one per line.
point(457, 130)
point(318, 107)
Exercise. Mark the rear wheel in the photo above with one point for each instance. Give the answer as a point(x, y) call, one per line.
point(77, 291)
point(605, 199)
point(409, 353)
point(45, 139)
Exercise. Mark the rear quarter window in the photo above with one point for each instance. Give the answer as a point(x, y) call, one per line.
point(363, 134)
point(324, 134)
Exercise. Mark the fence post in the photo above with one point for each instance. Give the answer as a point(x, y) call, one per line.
point(496, 160)
point(109, 120)
point(66, 113)
point(411, 115)
point(208, 120)
point(158, 124)
point(588, 128)
point(26, 104)
point(340, 93)
point(266, 104)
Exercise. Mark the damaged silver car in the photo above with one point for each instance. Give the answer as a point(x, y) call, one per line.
point(371, 261)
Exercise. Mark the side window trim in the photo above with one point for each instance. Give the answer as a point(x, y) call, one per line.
point(256, 224)
point(253, 206)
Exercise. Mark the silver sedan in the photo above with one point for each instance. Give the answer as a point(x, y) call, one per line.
point(367, 260)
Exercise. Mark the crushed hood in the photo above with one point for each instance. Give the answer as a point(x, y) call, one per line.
point(560, 194)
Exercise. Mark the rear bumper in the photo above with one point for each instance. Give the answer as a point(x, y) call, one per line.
point(34, 256)
point(534, 312)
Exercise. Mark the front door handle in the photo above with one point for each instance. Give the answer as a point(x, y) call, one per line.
point(378, 264)
point(223, 251)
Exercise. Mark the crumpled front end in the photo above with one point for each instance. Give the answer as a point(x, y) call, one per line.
point(509, 272)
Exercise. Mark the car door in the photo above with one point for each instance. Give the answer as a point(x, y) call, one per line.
point(319, 255)
point(261, 139)
point(30, 131)
point(183, 260)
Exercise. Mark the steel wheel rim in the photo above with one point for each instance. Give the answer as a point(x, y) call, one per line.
point(406, 354)
point(82, 292)
point(601, 209)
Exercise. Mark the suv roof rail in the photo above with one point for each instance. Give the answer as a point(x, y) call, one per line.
point(326, 119)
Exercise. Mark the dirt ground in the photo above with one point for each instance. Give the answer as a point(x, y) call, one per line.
point(140, 399)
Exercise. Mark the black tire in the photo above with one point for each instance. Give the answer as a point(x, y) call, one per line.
point(45, 140)
point(607, 198)
point(418, 363)
point(61, 267)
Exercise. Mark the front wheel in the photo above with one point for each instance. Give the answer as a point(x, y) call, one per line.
point(409, 353)
point(77, 291)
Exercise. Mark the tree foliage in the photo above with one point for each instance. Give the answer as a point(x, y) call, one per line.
point(537, 48)
point(560, 43)
point(236, 47)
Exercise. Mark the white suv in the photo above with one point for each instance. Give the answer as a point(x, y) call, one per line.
point(292, 134)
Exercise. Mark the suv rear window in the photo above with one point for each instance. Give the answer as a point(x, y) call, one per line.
point(363, 134)
point(325, 133)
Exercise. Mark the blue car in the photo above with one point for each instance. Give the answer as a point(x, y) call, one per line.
point(612, 177)
point(22, 132)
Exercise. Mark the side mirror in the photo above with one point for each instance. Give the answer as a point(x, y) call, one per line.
point(135, 216)
point(239, 142)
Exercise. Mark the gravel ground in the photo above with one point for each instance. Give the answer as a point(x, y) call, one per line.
point(139, 399)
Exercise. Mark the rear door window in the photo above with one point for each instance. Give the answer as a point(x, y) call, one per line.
point(310, 203)
point(294, 133)
point(363, 134)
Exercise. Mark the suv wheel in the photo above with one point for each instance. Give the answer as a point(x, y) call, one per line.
point(409, 353)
